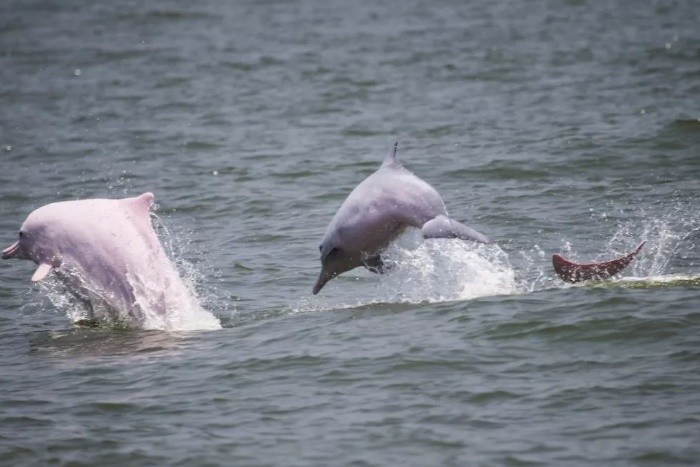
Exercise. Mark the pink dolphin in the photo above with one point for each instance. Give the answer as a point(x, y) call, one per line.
point(106, 253)
point(376, 212)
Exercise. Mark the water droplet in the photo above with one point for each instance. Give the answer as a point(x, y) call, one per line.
point(77, 72)
point(668, 45)
point(216, 172)
point(8, 148)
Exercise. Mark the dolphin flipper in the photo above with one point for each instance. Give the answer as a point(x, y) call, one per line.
point(444, 227)
point(377, 265)
point(42, 271)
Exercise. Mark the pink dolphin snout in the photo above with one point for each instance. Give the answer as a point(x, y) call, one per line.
point(14, 251)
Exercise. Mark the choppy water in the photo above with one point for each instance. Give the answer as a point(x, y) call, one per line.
point(550, 126)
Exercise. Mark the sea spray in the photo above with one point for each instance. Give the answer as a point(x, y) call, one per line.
point(670, 233)
point(201, 295)
point(670, 236)
point(533, 270)
point(438, 270)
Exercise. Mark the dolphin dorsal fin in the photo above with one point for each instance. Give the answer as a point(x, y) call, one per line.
point(390, 158)
point(139, 213)
point(142, 202)
point(140, 208)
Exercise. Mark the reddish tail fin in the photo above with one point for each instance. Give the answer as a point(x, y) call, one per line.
point(574, 272)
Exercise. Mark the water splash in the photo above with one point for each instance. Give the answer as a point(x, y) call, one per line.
point(534, 271)
point(80, 299)
point(439, 270)
point(169, 305)
point(671, 234)
point(172, 302)
point(199, 279)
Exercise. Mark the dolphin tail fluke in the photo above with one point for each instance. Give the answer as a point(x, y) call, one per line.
point(444, 227)
point(576, 272)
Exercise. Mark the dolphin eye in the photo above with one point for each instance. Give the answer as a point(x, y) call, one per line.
point(320, 247)
point(22, 234)
point(329, 254)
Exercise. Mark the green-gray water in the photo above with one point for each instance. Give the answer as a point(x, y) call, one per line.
point(568, 126)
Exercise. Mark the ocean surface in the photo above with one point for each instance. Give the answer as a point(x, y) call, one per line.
point(567, 127)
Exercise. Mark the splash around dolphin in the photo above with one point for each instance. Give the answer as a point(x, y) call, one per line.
point(377, 211)
point(109, 258)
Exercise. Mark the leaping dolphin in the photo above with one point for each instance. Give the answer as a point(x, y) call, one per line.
point(107, 254)
point(376, 212)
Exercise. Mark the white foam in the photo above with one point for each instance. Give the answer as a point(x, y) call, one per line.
point(439, 270)
point(169, 306)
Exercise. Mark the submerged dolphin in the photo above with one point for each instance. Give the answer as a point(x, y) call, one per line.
point(108, 256)
point(376, 212)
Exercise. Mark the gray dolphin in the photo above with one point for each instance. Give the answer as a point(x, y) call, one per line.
point(376, 212)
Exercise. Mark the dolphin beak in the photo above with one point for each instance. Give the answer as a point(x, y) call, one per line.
point(322, 279)
point(11, 251)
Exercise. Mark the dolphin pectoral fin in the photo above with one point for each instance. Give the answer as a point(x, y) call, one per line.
point(376, 265)
point(444, 227)
point(41, 272)
point(576, 272)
